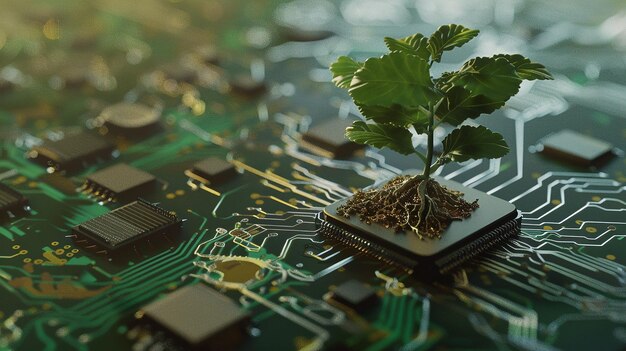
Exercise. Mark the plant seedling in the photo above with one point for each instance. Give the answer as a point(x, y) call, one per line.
point(398, 96)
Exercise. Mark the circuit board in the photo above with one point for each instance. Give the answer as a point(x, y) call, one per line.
point(226, 167)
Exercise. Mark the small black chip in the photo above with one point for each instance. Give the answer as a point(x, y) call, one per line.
point(305, 35)
point(246, 86)
point(72, 153)
point(214, 170)
point(119, 181)
point(577, 149)
point(200, 317)
point(355, 295)
point(128, 224)
point(494, 222)
point(11, 202)
point(328, 139)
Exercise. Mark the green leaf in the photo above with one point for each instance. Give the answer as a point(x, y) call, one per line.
point(395, 78)
point(396, 115)
point(460, 104)
point(343, 70)
point(447, 38)
point(468, 142)
point(494, 78)
point(380, 136)
point(527, 69)
point(415, 44)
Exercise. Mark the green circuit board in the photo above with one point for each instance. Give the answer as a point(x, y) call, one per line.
point(239, 83)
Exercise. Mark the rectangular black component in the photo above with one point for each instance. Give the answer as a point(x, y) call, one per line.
point(577, 149)
point(200, 317)
point(214, 170)
point(119, 181)
point(355, 295)
point(11, 202)
point(127, 224)
point(71, 153)
point(328, 139)
point(492, 223)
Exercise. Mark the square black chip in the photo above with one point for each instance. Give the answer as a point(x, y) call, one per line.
point(200, 318)
point(72, 153)
point(492, 223)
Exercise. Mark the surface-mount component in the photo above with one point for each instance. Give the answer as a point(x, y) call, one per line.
point(328, 139)
point(355, 295)
point(199, 317)
point(119, 181)
point(577, 149)
point(128, 224)
point(246, 86)
point(130, 119)
point(491, 224)
point(72, 153)
point(305, 35)
point(11, 202)
point(214, 170)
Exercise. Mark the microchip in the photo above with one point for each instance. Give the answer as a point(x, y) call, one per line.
point(119, 181)
point(199, 317)
point(355, 295)
point(329, 139)
point(132, 120)
point(246, 86)
point(305, 35)
point(577, 149)
point(179, 71)
point(214, 170)
point(11, 202)
point(491, 224)
point(127, 224)
point(72, 153)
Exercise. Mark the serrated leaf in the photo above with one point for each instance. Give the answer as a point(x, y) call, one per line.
point(395, 78)
point(466, 143)
point(460, 104)
point(495, 78)
point(380, 136)
point(343, 70)
point(448, 37)
point(415, 44)
point(527, 69)
point(395, 115)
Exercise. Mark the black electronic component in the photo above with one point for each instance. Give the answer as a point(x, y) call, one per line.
point(214, 170)
point(577, 149)
point(246, 86)
point(5, 85)
point(305, 35)
point(72, 153)
point(179, 72)
point(494, 222)
point(12, 203)
point(200, 318)
point(355, 295)
point(127, 224)
point(119, 181)
point(132, 120)
point(208, 55)
point(329, 139)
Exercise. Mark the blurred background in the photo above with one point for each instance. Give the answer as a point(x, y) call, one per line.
point(243, 80)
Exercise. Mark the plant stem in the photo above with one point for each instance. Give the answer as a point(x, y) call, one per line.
point(430, 146)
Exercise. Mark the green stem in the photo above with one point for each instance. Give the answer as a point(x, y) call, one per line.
point(429, 147)
point(440, 161)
